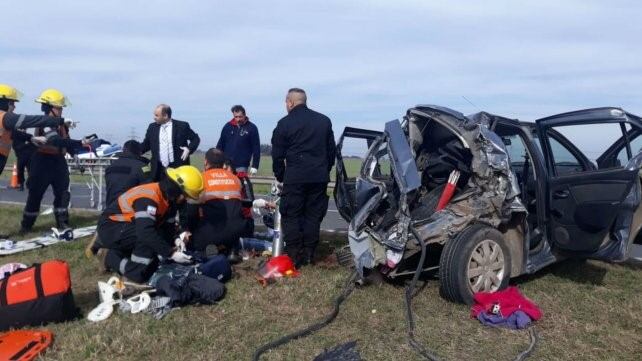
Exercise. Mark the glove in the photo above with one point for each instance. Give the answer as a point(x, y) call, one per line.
point(180, 241)
point(185, 153)
point(180, 257)
point(70, 123)
point(262, 203)
point(253, 171)
point(37, 141)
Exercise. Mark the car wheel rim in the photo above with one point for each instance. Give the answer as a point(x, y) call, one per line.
point(486, 268)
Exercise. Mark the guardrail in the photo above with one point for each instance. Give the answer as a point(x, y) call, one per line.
point(255, 179)
point(269, 180)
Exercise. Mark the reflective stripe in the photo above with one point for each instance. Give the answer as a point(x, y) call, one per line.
point(140, 260)
point(118, 218)
point(51, 135)
point(171, 220)
point(241, 169)
point(123, 200)
point(144, 214)
point(60, 210)
point(222, 194)
point(121, 268)
point(31, 214)
point(21, 119)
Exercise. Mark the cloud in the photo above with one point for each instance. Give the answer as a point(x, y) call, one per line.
point(362, 62)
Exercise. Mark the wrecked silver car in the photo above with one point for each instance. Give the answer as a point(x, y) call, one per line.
point(489, 197)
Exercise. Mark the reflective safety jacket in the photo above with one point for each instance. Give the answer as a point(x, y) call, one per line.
point(11, 121)
point(151, 213)
point(220, 184)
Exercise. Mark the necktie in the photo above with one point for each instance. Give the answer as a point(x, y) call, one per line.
point(164, 146)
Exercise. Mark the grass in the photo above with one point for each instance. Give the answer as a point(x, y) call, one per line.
point(592, 311)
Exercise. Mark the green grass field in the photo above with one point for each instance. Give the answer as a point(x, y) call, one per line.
point(592, 311)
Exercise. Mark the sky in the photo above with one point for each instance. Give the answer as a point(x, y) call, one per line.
point(362, 63)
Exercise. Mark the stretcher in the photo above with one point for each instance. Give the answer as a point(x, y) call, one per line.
point(8, 247)
point(94, 166)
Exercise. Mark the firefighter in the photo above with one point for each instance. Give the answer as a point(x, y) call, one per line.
point(139, 226)
point(48, 166)
point(128, 171)
point(220, 219)
point(11, 122)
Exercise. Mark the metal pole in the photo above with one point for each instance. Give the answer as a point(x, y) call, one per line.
point(277, 239)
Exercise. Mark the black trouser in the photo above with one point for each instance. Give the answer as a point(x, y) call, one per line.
point(302, 208)
point(126, 255)
point(221, 235)
point(47, 170)
point(3, 162)
point(24, 160)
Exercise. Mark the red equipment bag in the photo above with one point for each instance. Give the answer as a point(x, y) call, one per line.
point(23, 345)
point(37, 295)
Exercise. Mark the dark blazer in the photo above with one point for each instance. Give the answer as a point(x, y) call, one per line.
point(303, 147)
point(182, 136)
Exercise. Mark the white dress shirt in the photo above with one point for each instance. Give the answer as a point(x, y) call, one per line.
point(166, 150)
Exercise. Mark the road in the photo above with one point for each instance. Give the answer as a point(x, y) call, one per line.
point(80, 198)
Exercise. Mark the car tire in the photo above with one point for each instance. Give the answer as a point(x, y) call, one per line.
point(478, 250)
point(428, 203)
point(345, 257)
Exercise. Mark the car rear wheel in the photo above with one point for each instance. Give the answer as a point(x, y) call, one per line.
point(476, 260)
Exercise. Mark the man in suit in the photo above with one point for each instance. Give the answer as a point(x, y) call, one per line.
point(171, 141)
point(303, 152)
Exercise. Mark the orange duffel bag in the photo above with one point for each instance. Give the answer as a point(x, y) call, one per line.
point(37, 295)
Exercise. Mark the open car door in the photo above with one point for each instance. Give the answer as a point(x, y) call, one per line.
point(352, 147)
point(590, 205)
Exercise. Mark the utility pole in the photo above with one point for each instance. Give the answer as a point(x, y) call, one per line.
point(132, 134)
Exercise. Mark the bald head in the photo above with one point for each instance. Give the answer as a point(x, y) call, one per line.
point(162, 113)
point(296, 96)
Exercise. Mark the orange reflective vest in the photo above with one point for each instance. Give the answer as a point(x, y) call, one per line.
point(52, 149)
point(5, 137)
point(220, 184)
point(126, 201)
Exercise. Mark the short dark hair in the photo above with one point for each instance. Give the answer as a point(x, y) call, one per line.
point(297, 90)
point(238, 108)
point(132, 147)
point(165, 109)
point(215, 158)
point(4, 104)
point(46, 108)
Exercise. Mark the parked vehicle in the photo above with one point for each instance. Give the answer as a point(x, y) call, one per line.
point(528, 194)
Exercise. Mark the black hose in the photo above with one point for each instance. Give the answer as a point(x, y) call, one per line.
point(422, 350)
point(345, 292)
point(534, 337)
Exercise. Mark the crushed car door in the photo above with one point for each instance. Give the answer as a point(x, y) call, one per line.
point(352, 147)
point(583, 198)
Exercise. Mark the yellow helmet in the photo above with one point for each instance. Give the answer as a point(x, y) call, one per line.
point(9, 92)
point(53, 97)
point(189, 178)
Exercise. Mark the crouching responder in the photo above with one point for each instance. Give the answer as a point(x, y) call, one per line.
point(48, 166)
point(129, 170)
point(139, 226)
point(219, 221)
point(11, 122)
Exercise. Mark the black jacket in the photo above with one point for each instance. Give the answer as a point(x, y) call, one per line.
point(303, 148)
point(182, 136)
point(124, 173)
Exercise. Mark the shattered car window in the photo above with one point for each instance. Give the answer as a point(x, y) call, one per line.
point(379, 167)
